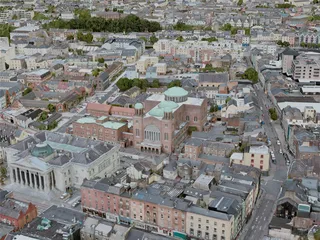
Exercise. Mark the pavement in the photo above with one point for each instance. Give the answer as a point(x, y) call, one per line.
point(257, 226)
point(42, 200)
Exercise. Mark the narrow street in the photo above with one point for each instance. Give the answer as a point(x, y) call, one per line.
point(257, 227)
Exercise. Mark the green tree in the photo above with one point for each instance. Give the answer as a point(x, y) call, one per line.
point(100, 60)
point(273, 114)
point(175, 83)
point(240, 2)
point(284, 5)
point(70, 37)
point(155, 83)
point(14, 17)
point(180, 26)
point(316, 235)
point(130, 23)
point(51, 107)
point(5, 30)
point(85, 37)
point(191, 129)
point(180, 39)
point(26, 91)
point(82, 13)
point(144, 39)
point(153, 39)
point(214, 108)
point(124, 84)
point(228, 99)
point(210, 39)
point(251, 74)
point(3, 174)
point(43, 116)
point(51, 9)
point(226, 27)
point(95, 72)
point(39, 16)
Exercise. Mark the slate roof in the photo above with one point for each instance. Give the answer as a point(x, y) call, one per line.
point(213, 77)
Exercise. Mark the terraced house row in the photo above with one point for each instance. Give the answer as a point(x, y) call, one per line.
point(170, 209)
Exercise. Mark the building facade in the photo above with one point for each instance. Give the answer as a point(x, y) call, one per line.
point(161, 124)
point(50, 161)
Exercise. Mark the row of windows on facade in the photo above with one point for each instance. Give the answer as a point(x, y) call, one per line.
point(206, 235)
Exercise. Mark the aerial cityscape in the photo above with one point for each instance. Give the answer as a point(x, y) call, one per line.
point(159, 120)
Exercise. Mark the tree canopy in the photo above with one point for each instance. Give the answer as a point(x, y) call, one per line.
point(251, 75)
point(85, 37)
point(175, 83)
point(283, 44)
point(130, 23)
point(180, 26)
point(273, 114)
point(210, 39)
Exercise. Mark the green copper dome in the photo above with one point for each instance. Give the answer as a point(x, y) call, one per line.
point(168, 104)
point(138, 106)
point(157, 112)
point(42, 150)
point(176, 92)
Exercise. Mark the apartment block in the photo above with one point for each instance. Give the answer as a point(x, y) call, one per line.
point(305, 69)
point(145, 62)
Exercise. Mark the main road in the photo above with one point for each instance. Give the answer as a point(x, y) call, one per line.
point(257, 227)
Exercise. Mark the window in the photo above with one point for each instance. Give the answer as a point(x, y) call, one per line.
point(215, 230)
point(252, 155)
point(166, 137)
point(261, 161)
point(252, 161)
point(191, 217)
point(199, 225)
point(191, 231)
point(261, 167)
point(137, 132)
point(223, 225)
point(199, 219)
point(206, 236)
point(207, 221)
point(187, 118)
point(195, 119)
point(207, 228)
point(199, 233)
point(223, 232)
point(261, 156)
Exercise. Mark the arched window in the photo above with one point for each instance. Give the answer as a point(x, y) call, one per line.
point(187, 118)
point(195, 119)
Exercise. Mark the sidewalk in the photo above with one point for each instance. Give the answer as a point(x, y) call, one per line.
point(248, 224)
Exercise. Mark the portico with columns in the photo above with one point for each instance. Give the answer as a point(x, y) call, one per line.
point(42, 179)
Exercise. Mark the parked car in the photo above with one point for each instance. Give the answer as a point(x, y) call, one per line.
point(64, 195)
point(76, 203)
point(278, 142)
point(280, 151)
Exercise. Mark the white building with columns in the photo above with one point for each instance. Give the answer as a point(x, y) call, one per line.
point(48, 161)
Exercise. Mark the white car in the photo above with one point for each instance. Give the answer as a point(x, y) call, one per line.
point(280, 151)
point(278, 142)
point(64, 195)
